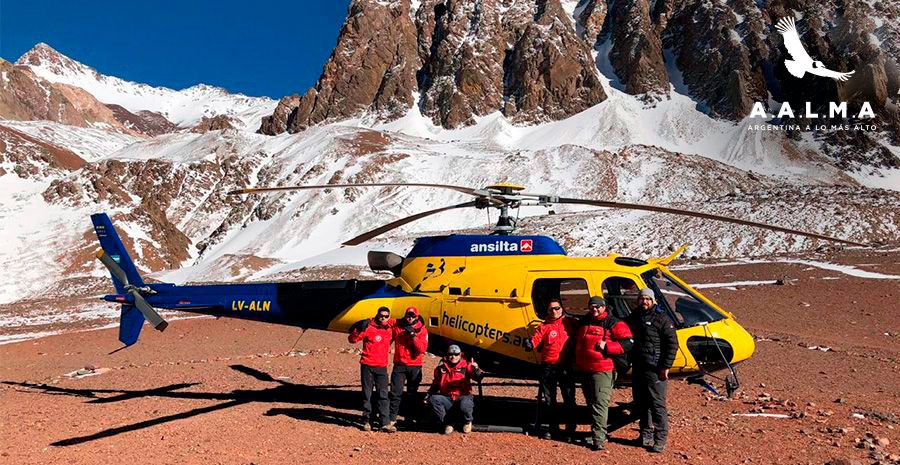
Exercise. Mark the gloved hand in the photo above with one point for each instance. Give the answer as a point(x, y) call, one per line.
point(529, 346)
point(411, 330)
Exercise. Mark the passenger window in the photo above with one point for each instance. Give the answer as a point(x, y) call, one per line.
point(621, 295)
point(688, 310)
point(572, 292)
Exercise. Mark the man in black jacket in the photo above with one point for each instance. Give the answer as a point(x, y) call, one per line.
point(655, 345)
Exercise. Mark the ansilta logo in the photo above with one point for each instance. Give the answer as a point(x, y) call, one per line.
point(526, 245)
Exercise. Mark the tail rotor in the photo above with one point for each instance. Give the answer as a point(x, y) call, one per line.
point(136, 293)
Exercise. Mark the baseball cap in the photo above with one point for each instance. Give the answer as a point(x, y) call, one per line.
point(454, 350)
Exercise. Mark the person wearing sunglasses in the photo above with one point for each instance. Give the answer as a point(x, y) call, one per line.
point(410, 345)
point(600, 337)
point(552, 340)
point(376, 335)
point(451, 389)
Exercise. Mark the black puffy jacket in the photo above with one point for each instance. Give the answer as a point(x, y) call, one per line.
point(655, 342)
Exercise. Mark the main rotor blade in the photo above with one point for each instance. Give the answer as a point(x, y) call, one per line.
point(149, 312)
point(396, 224)
point(676, 211)
point(113, 267)
point(252, 190)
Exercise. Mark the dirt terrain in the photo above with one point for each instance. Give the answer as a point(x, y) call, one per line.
point(224, 391)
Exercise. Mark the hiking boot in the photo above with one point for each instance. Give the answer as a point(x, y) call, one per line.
point(569, 434)
point(448, 429)
point(658, 447)
point(598, 446)
point(366, 426)
point(390, 427)
point(467, 428)
point(646, 442)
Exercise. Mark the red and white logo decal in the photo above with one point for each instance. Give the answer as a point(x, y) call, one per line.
point(552, 333)
point(377, 338)
point(526, 245)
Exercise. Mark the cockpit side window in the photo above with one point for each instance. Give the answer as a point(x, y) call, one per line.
point(621, 295)
point(572, 292)
point(687, 309)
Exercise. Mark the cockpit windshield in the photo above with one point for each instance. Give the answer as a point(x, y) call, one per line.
point(687, 309)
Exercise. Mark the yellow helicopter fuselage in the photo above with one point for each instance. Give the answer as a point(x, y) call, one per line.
point(488, 293)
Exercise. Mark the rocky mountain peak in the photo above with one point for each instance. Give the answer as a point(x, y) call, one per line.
point(45, 56)
point(549, 73)
point(25, 96)
point(534, 60)
point(372, 68)
point(463, 59)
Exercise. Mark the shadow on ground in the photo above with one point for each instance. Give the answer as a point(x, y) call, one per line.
point(328, 404)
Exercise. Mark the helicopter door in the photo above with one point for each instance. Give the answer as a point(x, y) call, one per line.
point(621, 293)
point(485, 323)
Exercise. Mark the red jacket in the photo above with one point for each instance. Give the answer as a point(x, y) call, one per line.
point(409, 350)
point(588, 356)
point(454, 381)
point(376, 342)
point(553, 339)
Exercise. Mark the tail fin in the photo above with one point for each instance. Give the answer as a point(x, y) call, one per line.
point(112, 246)
point(130, 324)
point(131, 320)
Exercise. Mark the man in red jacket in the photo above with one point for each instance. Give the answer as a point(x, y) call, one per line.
point(452, 388)
point(376, 335)
point(410, 345)
point(552, 340)
point(600, 337)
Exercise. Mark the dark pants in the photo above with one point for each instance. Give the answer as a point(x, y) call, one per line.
point(412, 378)
point(597, 388)
point(650, 405)
point(551, 377)
point(442, 405)
point(374, 377)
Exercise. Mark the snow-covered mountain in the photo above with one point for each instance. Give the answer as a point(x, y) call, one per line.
point(185, 108)
point(166, 192)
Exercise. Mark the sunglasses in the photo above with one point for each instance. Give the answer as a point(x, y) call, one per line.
point(453, 355)
point(597, 306)
point(383, 317)
point(555, 308)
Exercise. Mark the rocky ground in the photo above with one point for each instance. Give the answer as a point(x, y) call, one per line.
point(223, 391)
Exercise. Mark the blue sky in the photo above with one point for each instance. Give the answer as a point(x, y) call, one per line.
point(256, 48)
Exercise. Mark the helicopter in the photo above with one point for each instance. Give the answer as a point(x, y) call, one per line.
point(484, 292)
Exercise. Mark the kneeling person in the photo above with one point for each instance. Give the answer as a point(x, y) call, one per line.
point(451, 388)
